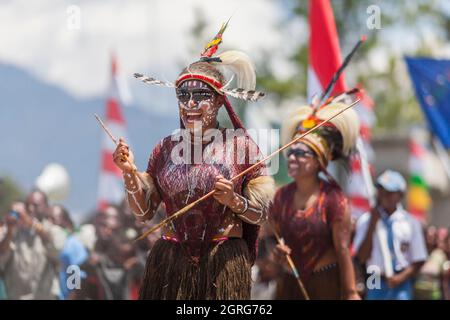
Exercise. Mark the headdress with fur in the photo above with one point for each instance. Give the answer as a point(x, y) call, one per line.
point(333, 140)
point(207, 69)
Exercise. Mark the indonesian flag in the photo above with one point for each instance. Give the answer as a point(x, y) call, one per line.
point(324, 60)
point(110, 186)
point(324, 52)
point(360, 188)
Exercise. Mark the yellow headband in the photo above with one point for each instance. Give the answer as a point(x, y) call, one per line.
point(319, 145)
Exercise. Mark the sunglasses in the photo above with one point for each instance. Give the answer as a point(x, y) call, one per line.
point(197, 96)
point(299, 153)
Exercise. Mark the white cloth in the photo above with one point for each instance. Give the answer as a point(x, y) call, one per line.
point(87, 235)
point(409, 243)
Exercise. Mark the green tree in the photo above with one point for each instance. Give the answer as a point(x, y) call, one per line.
point(9, 191)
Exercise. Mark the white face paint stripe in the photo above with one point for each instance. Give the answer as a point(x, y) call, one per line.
point(194, 83)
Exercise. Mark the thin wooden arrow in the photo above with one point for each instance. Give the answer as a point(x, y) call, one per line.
point(134, 170)
point(291, 264)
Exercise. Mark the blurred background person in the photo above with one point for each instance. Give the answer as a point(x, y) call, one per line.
point(446, 269)
point(404, 236)
point(29, 252)
point(3, 295)
point(429, 281)
point(430, 238)
point(111, 264)
point(312, 212)
point(60, 216)
point(73, 254)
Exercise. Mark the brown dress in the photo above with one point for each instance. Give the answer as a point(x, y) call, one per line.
point(195, 266)
point(309, 234)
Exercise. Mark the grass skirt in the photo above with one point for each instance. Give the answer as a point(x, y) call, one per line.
point(223, 273)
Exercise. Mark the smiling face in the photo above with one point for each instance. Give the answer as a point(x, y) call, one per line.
point(199, 105)
point(302, 161)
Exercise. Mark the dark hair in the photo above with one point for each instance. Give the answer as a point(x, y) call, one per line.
point(44, 195)
point(334, 140)
point(65, 214)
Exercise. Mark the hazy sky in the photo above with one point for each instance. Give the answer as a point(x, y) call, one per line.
point(41, 36)
point(45, 38)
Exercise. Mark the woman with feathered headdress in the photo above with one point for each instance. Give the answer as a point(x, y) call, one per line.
point(312, 213)
point(207, 253)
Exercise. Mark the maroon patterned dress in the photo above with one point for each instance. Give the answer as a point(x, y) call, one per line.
point(180, 183)
point(308, 232)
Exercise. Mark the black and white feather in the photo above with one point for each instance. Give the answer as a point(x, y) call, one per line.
point(239, 93)
point(345, 97)
point(153, 81)
point(248, 95)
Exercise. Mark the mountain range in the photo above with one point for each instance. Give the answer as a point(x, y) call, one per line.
point(42, 123)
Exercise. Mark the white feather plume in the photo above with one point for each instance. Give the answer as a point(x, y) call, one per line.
point(241, 65)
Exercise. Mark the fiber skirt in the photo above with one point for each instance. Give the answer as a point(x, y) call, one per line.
point(223, 273)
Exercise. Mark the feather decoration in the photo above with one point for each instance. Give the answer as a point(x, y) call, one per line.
point(341, 97)
point(337, 74)
point(248, 95)
point(150, 80)
point(241, 65)
point(213, 45)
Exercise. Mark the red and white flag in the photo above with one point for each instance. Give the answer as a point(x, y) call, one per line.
point(324, 60)
point(360, 188)
point(110, 186)
point(324, 52)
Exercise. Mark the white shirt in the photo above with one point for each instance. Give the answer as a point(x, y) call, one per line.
point(408, 239)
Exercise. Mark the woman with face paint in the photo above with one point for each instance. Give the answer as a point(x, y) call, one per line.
point(206, 253)
point(311, 214)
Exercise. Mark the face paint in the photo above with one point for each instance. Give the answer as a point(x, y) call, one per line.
point(308, 167)
point(300, 160)
point(198, 105)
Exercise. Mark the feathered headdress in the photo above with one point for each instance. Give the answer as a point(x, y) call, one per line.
point(336, 138)
point(213, 45)
point(206, 70)
point(333, 140)
point(237, 62)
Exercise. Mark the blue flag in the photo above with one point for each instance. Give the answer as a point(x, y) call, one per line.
point(431, 79)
